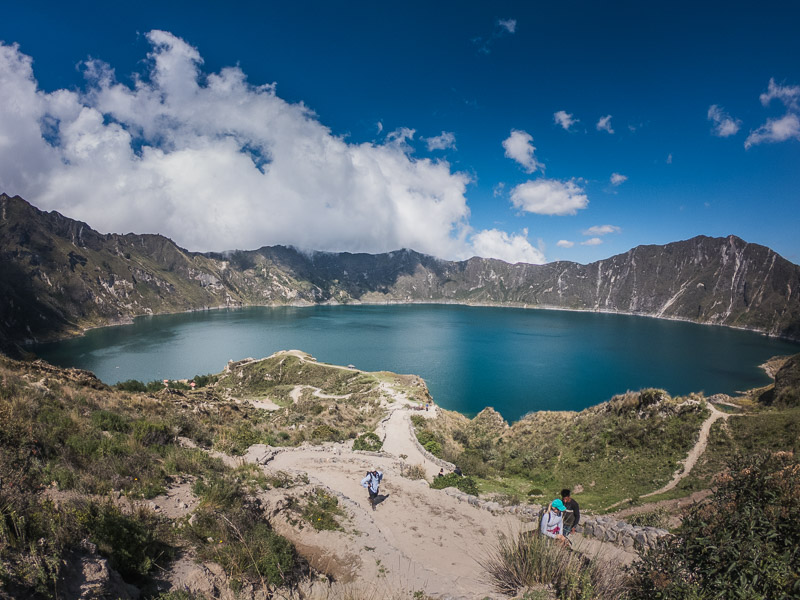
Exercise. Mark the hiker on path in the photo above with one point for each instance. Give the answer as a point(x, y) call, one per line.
point(372, 482)
point(572, 516)
point(552, 522)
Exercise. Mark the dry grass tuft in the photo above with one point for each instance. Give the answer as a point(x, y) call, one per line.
point(528, 560)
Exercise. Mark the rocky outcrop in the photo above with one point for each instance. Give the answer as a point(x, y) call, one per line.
point(88, 576)
point(58, 275)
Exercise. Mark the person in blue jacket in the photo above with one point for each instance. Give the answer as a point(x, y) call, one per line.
point(372, 482)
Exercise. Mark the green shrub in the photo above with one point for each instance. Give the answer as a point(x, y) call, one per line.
point(433, 447)
point(243, 543)
point(154, 386)
point(326, 433)
point(471, 462)
point(219, 491)
point(203, 380)
point(131, 385)
point(83, 445)
point(192, 461)
point(742, 542)
point(418, 421)
point(110, 421)
point(236, 441)
point(131, 542)
point(149, 433)
point(465, 484)
point(368, 441)
point(322, 510)
point(276, 557)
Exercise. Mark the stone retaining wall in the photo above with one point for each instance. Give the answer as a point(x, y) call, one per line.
point(434, 459)
point(606, 529)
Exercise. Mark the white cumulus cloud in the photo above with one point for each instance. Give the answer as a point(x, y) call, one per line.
point(512, 248)
point(724, 124)
point(519, 147)
point(215, 162)
point(564, 119)
point(510, 25)
point(565, 244)
point(617, 179)
point(595, 241)
point(441, 142)
point(788, 94)
point(549, 197)
point(775, 130)
point(604, 124)
point(601, 230)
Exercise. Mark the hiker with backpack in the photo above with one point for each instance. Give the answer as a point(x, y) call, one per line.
point(372, 482)
point(572, 516)
point(552, 524)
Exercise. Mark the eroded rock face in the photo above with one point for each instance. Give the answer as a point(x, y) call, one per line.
point(88, 576)
point(57, 275)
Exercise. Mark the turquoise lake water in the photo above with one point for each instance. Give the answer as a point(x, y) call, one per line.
point(514, 360)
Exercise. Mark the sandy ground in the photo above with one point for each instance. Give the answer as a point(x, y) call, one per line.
point(416, 540)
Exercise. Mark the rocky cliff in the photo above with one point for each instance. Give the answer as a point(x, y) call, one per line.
point(58, 276)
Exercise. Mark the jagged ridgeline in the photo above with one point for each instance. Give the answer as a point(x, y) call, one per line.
point(58, 276)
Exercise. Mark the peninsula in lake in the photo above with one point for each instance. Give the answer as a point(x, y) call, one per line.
point(59, 276)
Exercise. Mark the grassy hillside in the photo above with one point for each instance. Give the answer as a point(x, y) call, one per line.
point(80, 460)
point(618, 450)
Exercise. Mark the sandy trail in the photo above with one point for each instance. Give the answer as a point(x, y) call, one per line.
point(695, 453)
point(417, 539)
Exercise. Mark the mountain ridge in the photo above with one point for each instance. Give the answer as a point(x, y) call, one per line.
point(59, 276)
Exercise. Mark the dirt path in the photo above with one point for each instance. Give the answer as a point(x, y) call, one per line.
point(417, 539)
point(297, 393)
point(694, 454)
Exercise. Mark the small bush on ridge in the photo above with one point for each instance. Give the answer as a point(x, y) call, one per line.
point(368, 441)
point(465, 484)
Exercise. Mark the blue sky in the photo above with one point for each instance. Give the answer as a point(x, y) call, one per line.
point(526, 131)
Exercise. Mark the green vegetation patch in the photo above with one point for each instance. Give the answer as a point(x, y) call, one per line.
point(465, 484)
point(322, 510)
point(368, 442)
point(620, 449)
point(742, 542)
point(69, 434)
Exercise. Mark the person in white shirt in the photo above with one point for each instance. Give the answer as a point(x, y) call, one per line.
point(372, 482)
point(552, 521)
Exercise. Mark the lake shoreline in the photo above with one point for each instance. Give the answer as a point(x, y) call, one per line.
point(472, 357)
point(28, 343)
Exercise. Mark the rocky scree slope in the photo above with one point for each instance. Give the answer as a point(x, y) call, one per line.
point(58, 276)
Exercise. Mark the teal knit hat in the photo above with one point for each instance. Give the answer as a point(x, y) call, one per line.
point(557, 503)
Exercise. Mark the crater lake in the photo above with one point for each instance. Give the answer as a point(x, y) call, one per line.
point(514, 360)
